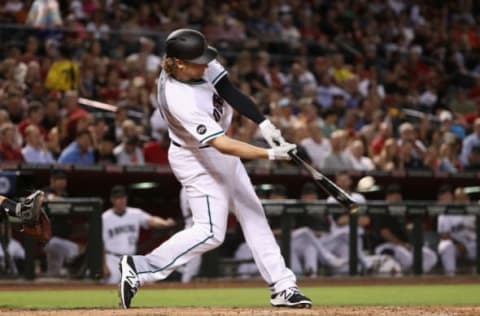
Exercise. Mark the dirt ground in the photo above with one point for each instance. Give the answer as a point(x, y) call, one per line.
point(218, 311)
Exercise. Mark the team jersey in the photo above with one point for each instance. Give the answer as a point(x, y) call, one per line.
point(194, 111)
point(460, 227)
point(120, 232)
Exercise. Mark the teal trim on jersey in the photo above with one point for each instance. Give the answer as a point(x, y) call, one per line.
point(211, 136)
point(189, 249)
point(217, 78)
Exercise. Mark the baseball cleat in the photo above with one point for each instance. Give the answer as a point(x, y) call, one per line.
point(129, 282)
point(29, 209)
point(291, 297)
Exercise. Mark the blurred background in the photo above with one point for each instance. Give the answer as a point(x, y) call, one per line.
point(383, 96)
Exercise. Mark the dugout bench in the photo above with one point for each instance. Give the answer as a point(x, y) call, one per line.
point(90, 207)
point(287, 209)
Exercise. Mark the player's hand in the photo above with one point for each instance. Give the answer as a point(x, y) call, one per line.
point(281, 152)
point(272, 135)
point(170, 222)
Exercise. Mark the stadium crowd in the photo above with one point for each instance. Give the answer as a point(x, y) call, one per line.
point(384, 84)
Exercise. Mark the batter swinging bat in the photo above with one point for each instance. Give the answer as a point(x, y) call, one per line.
point(327, 185)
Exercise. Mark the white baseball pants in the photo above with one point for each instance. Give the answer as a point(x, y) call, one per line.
point(215, 183)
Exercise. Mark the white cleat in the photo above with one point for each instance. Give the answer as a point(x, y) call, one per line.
point(291, 297)
point(129, 282)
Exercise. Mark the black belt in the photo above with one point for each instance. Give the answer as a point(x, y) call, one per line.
point(178, 145)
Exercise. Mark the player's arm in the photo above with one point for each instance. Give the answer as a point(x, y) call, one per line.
point(159, 222)
point(245, 106)
point(230, 146)
point(239, 101)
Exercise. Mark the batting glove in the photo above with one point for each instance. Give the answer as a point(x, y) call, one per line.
point(281, 152)
point(272, 135)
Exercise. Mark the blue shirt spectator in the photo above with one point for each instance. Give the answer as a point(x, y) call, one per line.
point(34, 150)
point(78, 152)
point(469, 142)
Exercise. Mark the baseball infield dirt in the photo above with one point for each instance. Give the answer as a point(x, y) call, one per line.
point(326, 311)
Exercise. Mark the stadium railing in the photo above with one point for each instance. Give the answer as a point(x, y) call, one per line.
point(287, 209)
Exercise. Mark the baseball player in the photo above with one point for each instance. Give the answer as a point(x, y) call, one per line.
point(457, 233)
point(121, 229)
point(337, 241)
point(60, 251)
point(392, 236)
point(12, 254)
point(196, 99)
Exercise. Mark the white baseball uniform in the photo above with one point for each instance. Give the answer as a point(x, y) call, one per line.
point(461, 229)
point(15, 251)
point(338, 240)
point(120, 235)
point(214, 183)
point(59, 251)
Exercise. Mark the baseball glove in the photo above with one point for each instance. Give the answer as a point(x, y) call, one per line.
point(41, 231)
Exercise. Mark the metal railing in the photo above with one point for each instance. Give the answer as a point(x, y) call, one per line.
point(287, 209)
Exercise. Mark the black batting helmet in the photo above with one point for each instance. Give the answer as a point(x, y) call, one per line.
point(189, 45)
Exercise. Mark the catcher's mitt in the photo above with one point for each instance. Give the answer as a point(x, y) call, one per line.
point(40, 231)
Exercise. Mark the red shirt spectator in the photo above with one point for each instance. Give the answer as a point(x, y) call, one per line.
point(8, 151)
point(155, 153)
point(35, 115)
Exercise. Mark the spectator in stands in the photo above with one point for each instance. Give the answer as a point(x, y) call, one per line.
point(474, 159)
point(52, 113)
point(104, 151)
point(35, 115)
point(129, 152)
point(316, 146)
point(9, 150)
point(359, 160)
point(156, 151)
point(15, 105)
point(338, 159)
point(44, 14)
point(79, 151)
point(98, 129)
point(97, 27)
point(121, 229)
point(415, 147)
point(448, 160)
point(469, 142)
point(34, 151)
point(391, 235)
point(329, 123)
point(300, 79)
point(63, 74)
point(388, 159)
point(145, 59)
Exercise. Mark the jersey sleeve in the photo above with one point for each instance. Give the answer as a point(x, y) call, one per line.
point(196, 121)
point(142, 217)
point(214, 72)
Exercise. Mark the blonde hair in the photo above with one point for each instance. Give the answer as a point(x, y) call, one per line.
point(169, 65)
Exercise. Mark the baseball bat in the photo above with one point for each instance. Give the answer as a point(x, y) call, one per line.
point(326, 184)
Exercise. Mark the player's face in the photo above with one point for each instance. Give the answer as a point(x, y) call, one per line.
point(119, 204)
point(193, 71)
